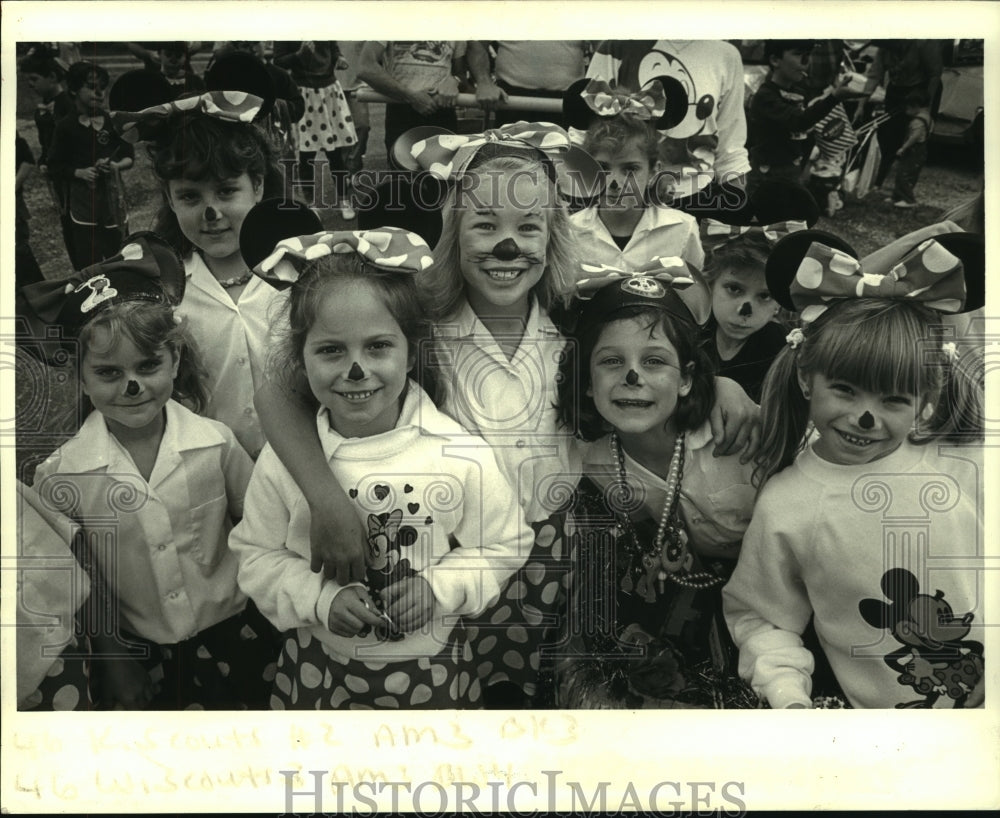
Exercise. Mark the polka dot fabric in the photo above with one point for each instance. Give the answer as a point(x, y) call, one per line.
point(311, 676)
point(507, 638)
point(327, 123)
point(66, 686)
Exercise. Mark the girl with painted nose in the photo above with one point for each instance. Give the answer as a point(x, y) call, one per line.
point(855, 438)
point(172, 481)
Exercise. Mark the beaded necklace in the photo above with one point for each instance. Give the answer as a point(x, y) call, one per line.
point(669, 546)
point(235, 281)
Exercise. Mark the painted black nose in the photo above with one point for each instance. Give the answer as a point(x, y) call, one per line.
point(506, 250)
point(132, 388)
point(211, 214)
point(746, 310)
point(632, 378)
point(356, 373)
point(866, 421)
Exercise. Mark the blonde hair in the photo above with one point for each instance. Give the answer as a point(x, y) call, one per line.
point(442, 284)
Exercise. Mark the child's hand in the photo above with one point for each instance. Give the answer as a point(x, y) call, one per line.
point(337, 545)
point(901, 152)
point(735, 421)
point(103, 165)
point(86, 174)
point(342, 64)
point(351, 612)
point(125, 684)
point(409, 603)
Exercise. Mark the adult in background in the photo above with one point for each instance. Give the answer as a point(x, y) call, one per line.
point(902, 66)
point(703, 154)
point(529, 68)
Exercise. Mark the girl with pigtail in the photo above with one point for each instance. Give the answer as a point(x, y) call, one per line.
point(857, 440)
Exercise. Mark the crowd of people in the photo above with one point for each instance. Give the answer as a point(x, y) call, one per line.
point(628, 444)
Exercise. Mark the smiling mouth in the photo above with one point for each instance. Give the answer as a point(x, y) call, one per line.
point(631, 403)
point(855, 441)
point(503, 274)
point(358, 396)
point(216, 232)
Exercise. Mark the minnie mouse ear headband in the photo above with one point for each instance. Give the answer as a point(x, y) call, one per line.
point(656, 284)
point(244, 72)
point(808, 269)
point(662, 102)
point(269, 222)
point(147, 268)
point(387, 248)
point(448, 156)
point(776, 208)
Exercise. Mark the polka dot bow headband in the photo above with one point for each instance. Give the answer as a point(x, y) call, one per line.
point(928, 274)
point(655, 283)
point(715, 234)
point(388, 248)
point(234, 106)
point(446, 156)
point(648, 103)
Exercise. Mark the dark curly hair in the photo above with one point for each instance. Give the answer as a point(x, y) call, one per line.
point(576, 408)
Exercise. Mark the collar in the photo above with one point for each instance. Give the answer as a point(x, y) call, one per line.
point(589, 220)
point(466, 324)
point(197, 273)
point(903, 460)
point(418, 417)
point(94, 448)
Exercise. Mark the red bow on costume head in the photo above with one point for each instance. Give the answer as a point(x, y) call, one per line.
point(715, 234)
point(233, 106)
point(928, 274)
point(389, 248)
point(447, 156)
point(650, 102)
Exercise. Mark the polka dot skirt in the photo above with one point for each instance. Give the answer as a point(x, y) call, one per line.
point(311, 676)
point(327, 123)
point(66, 686)
point(506, 638)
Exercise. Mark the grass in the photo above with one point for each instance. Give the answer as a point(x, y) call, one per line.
point(47, 398)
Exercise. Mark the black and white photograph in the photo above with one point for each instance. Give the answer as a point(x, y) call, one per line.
point(587, 384)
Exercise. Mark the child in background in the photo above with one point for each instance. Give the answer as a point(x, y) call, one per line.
point(837, 506)
point(87, 156)
point(355, 326)
point(656, 519)
point(45, 76)
point(26, 269)
point(171, 482)
point(779, 122)
point(912, 154)
point(174, 62)
point(214, 164)
point(625, 229)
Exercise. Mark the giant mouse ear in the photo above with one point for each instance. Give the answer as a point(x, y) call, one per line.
point(271, 221)
point(782, 200)
point(677, 102)
point(139, 89)
point(576, 112)
point(402, 155)
point(578, 174)
point(240, 71)
point(786, 256)
point(970, 249)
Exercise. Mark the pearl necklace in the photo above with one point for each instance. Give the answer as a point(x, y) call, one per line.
point(235, 281)
point(668, 547)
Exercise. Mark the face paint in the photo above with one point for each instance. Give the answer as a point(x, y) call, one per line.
point(746, 310)
point(866, 421)
point(132, 389)
point(356, 373)
point(506, 250)
point(210, 214)
point(632, 378)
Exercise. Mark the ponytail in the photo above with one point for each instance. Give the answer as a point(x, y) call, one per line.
point(784, 417)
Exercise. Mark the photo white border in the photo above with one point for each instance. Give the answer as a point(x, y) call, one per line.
point(804, 759)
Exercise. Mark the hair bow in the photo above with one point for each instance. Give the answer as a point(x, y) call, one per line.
point(653, 285)
point(147, 268)
point(650, 102)
point(671, 270)
point(446, 156)
point(390, 248)
point(928, 274)
point(715, 234)
point(233, 106)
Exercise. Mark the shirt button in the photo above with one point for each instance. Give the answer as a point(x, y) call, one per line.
point(520, 444)
point(173, 595)
point(241, 361)
point(161, 547)
point(248, 411)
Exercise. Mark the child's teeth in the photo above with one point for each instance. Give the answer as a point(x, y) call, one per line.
point(357, 395)
point(504, 275)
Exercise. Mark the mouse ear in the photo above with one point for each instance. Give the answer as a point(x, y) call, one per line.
point(782, 200)
point(402, 156)
point(408, 201)
point(139, 89)
point(576, 112)
point(786, 256)
point(578, 174)
point(271, 221)
point(677, 102)
point(240, 71)
point(970, 249)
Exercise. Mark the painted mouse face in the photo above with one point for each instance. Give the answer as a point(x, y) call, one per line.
point(932, 623)
point(660, 64)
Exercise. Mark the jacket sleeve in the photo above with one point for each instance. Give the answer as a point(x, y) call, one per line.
point(60, 156)
point(492, 540)
point(771, 107)
point(767, 609)
point(731, 153)
point(277, 578)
